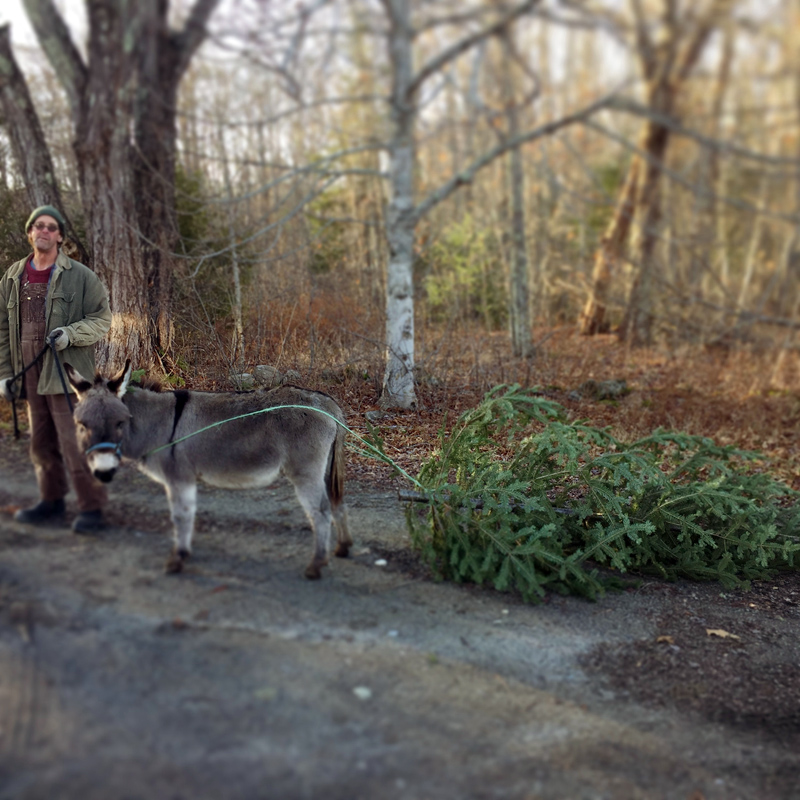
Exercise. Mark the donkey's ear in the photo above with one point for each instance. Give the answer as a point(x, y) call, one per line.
point(118, 385)
point(79, 383)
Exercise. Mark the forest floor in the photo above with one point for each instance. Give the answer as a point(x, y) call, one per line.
point(239, 679)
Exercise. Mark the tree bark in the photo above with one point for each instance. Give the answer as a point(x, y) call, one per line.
point(398, 381)
point(609, 254)
point(128, 83)
point(100, 93)
point(162, 58)
point(520, 311)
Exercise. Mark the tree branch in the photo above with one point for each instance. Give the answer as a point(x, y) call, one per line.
point(193, 34)
point(28, 143)
point(695, 46)
point(679, 179)
point(468, 175)
point(629, 106)
point(460, 47)
point(54, 37)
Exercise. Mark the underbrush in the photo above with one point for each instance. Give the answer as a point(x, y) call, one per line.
point(521, 498)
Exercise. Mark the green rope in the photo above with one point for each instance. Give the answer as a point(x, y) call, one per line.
point(372, 452)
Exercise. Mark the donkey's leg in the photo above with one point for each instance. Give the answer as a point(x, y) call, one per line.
point(314, 499)
point(343, 538)
point(182, 505)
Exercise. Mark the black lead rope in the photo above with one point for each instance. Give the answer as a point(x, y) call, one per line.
point(52, 344)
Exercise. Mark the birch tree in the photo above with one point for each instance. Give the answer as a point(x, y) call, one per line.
point(405, 211)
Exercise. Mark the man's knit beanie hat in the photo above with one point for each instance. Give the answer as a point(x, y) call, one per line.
point(49, 211)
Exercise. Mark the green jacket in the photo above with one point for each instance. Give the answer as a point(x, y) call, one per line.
point(76, 301)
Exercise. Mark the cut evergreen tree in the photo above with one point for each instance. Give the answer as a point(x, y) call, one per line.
point(522, 499)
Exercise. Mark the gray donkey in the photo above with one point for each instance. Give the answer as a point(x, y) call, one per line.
point(115, 422)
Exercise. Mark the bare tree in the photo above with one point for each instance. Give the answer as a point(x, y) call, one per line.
point(127, 81)
point(666, 65)
point(27, 138)
point(404, 211)
point(162, 58)
point(519, 283)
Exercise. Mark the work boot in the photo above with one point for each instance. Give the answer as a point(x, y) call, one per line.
point(45, 512)
point(89, 522)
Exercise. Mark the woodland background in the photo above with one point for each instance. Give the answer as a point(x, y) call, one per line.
point(409, 202)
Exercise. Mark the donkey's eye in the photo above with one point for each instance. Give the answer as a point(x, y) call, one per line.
point(120, 425)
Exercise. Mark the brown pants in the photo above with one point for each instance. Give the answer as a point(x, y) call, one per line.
point(54, 446)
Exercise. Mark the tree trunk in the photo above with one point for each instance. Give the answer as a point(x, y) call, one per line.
point(237, 345)
point(403, 215)
point(520, 311)
point(667, 66)
point(398, 380)
point(162, 58)
point(28, 144)
point(129, 83)
point(104, 155)
point(609, 254)
point(706, 222)
point(638, 323)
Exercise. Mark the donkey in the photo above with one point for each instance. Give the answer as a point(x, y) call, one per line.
point(246, 447)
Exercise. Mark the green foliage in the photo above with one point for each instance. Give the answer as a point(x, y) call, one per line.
point(466, 277)
point(609, 177)
point(521, 499)
point(581, 234)
point(204, 229)
point(328, 239)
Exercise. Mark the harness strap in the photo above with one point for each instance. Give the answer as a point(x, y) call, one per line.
point(51, 343)
point(181, 399)
point(117, 448)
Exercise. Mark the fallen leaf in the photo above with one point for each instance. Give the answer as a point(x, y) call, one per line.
point(721, 633)
point(665, 640)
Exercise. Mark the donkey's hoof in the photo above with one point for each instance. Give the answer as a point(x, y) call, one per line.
point(313, 572)
point(174, 564)
point(342, 550)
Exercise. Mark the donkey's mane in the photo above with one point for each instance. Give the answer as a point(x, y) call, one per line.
point(150, 385)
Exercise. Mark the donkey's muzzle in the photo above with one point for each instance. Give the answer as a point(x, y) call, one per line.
point(104, 475)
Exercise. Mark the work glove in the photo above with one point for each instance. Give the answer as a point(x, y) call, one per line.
point(59, 337)
point(8, 390)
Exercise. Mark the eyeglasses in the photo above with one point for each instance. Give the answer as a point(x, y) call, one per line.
point(51, 226)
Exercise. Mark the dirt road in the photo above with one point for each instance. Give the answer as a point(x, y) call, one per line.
point(240, 679)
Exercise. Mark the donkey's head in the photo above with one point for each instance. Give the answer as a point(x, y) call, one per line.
point(101, 419)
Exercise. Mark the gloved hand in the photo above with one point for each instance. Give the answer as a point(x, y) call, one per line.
point(60, 337)
point(8, 389)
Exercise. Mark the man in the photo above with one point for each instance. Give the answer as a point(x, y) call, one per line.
point(51, 297)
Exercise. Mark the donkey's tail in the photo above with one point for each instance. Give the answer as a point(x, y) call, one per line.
point(336, 472)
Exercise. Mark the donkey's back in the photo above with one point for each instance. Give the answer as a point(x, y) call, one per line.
point(249, 439)
point(228, 440)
